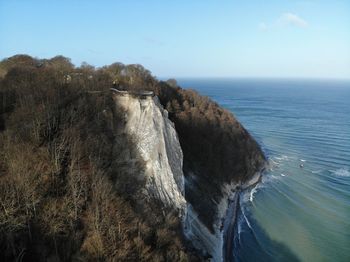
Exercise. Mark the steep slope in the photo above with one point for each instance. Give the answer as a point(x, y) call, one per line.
point(110, 177)
point(220, 156)
point(74, 183)
point(158, 145)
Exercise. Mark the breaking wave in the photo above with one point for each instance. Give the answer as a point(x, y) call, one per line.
point(300, 209)
point(341, 172)
point(252, 192)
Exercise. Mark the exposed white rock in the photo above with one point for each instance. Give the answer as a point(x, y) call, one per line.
point(200, 236)
point(158, 145)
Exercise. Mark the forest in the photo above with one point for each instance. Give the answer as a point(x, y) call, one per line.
point(67, 191)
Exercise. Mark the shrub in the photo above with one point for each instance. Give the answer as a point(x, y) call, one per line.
point(67, 191)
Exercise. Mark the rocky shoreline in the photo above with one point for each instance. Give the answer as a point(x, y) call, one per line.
point(230, 221)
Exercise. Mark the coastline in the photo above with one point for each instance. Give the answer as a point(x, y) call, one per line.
point(216, 244)
point(230, 219)
point(229, 227)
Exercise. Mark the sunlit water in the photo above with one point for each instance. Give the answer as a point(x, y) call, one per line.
point(301, 210)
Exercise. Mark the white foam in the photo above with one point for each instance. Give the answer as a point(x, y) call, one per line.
point(240, 221)
point(302, 160)
point(283, 175)
point(273, 162)
point(316, 171)
point(276, 161)
point(266, 180)
point(246, 219)
point(252, 192)
point(279, 158)
point(341, 172)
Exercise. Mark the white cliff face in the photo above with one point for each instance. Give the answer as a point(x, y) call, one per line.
point(200, 236)
point(158, 145)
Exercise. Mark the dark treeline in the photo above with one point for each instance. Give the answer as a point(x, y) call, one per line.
point(68, 192)
point(217, 149)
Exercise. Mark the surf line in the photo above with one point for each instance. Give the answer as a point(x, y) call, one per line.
point(230, 222)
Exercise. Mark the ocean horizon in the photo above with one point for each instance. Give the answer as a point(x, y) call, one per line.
point(190, 79)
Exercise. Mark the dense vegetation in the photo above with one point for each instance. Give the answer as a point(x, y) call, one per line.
point(216, 147)
point(67, 189)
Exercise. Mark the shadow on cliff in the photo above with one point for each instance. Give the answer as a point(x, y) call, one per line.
point(217, 149)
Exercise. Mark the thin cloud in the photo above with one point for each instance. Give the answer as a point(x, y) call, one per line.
point(285, 19)
point(293, 19)
point(262, 26)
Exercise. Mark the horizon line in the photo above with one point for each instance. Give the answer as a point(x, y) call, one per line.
point(255, 77)
point(323, 78)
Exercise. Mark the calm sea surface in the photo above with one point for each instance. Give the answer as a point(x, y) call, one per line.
point(301, 210)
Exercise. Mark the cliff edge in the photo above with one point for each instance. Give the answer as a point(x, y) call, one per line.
point(158, 145)
point(87, 174)
point(202, 198)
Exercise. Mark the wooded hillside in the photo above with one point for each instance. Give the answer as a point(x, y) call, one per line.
point(68, 192)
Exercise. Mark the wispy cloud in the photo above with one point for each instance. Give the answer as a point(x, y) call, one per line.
point(292, 19)
point(285, 19)
point(262, 26)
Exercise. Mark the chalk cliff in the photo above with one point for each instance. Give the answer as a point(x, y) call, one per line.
point(158, 145)
point(87, 177)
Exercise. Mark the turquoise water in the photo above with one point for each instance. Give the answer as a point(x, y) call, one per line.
point(301, 210)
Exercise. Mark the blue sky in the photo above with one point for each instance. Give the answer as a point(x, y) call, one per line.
point(213, 38)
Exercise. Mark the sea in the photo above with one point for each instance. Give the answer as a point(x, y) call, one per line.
point(301, 209)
